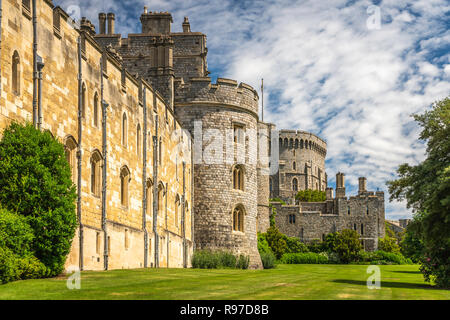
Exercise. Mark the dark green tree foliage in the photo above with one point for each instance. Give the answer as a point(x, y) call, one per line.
point(426, 189)
point(35, 183)
point(311, 196)
point(276, 241)
point(412, 245)
point(346, 245)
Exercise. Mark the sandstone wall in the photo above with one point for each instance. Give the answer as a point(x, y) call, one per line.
point(57, 45)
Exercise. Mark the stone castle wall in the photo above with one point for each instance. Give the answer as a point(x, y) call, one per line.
point(313, 220)
point(57, 45)
point(301, 157)
point(217, 113)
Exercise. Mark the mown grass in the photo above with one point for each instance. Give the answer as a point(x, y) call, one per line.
point(284, 282)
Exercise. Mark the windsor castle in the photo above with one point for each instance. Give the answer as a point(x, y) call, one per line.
point(164, 160)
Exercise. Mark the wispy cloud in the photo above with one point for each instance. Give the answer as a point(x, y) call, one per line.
point(324, 70)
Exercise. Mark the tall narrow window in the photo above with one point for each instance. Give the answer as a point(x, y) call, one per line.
point(97, 242)
point(160, 200)
point(124, 179)
point(295, 184)
point(238, 219)
point(124, 129)
point(83, 101)
point(70, 150)
point(160, 151)
point(238, 131)
point(127, 240)
point(149, 197)
point(362, 229)
point(238, 178)
point(294, 166)
point(95, 110)
point(95, 173)
point(16, 73)
point(138, 140)
point(177, 209)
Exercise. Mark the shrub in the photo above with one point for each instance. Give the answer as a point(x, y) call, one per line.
point(15, 233)
point(276, 241)
point(35, 182)
point(304, 258)
point(347, 245)
point(243, 262)
point(205, 259)
point(227, 259)
point(388, 244)
point(263, 245)
point(268, 260)
point(315, 246)
point(13, 267)
point(382, 257)
point(311, 196)
point(294, 245)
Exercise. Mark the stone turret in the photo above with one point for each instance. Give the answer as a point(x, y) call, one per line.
point(156, 22)
point(186, 25)
point(340, 185)
point(362, 185)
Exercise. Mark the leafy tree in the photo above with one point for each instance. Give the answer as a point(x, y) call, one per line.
point(347, 245)
point(294, 245)
point(388, 244)
point(35, 183)
point(311, 196)
point(426, 189)
point(412, 245)
point(276, 241)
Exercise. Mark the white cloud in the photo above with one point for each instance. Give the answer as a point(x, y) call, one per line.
point(324, 71)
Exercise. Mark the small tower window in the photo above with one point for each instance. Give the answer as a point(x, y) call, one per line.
point(83, 101)
point(238, 219)
point(138, 140)
point(124, 129)
point(95, 110)
point(16, 73)
point(238, 178)
point(295, 184)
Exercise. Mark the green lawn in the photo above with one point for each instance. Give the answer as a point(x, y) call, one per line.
point(284, 282)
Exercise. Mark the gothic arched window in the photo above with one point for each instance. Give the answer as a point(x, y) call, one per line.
point(238, 218)
point(238, 178)
point(124, 181)
point(295, 184)
point(95, 173)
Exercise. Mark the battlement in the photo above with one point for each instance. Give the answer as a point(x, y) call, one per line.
point(297, 139)
point(226, 92)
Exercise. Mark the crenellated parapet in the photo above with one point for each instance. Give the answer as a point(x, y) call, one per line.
point(225, 92)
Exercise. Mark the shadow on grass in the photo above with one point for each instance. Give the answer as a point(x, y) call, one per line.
point(411, 272)
point(389, 284)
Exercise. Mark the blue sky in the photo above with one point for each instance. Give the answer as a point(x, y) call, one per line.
point(327, 69)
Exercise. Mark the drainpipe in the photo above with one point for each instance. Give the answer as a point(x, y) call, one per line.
point(105, 157)
point(79, 152)
point(40, 66)
point(183, 215)
point(1, 10)
point(155, 191)
point(35, 72)
point(144, 179)
point(192, 196)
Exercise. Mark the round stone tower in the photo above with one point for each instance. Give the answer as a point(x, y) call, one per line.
point(301, 164)
point(223, 118)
